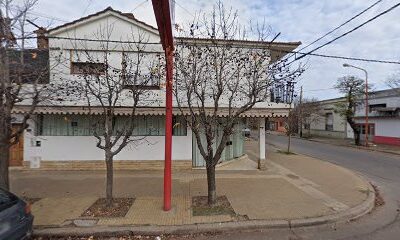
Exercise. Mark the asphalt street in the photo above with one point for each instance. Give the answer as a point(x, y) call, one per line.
point(381, 169)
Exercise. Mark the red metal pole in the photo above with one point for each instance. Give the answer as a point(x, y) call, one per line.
point(168, 130)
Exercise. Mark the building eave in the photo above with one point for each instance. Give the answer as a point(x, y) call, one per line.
point(83, 110)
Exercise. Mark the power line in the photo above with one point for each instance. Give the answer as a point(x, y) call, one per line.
point(157, 43)
point(350, 58)
point(348, 32)
point(321, 89)
point(47, 16)
point(341, 25)
point(91, 40)
point(179, 5)
point(139, 5)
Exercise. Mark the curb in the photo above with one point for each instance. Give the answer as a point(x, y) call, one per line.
point(345, 216)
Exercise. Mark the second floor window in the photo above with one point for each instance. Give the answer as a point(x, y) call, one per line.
point(88, 68)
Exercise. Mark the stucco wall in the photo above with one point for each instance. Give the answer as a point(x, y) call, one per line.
point(388, 127)
point(81, 148)
point(317, 127)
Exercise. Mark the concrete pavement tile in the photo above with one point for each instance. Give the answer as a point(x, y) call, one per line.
point(271, 199)
point(54, 211)
point(337, 182)
point(148, 210)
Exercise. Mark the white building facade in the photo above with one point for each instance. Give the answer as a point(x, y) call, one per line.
point(383, 118)
point(59, 135)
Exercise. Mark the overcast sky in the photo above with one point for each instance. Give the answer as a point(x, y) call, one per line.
point(297, 20)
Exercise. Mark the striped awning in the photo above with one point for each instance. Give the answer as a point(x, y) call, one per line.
point(255, 112)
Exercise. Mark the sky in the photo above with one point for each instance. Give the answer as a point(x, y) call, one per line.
point(296, 20)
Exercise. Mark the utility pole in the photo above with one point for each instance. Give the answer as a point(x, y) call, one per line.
point(301, 112)
point(162, 12)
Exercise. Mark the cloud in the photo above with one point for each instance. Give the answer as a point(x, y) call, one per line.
point(297, 20)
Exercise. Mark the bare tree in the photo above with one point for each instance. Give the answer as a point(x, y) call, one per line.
point(354, 89)
point(310, 112)
point(21, 77)
point(218, 80)
point(291, 125)
point(110, 81)
point(394, 81)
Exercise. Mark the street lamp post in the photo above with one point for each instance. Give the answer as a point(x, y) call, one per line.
point(366, 100)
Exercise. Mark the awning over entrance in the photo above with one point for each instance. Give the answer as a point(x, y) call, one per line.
point(255, 112)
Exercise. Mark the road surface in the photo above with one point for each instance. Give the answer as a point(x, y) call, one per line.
point(381, 169)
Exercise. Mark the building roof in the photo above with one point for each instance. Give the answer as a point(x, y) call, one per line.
point(108, 9)
point(372, 94)
point(279, 48)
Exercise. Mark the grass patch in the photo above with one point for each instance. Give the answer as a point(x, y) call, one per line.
point(285, 152)
point(200, 206)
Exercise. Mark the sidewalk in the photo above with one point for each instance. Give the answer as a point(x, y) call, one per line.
point(350, 143)
point(294, 189)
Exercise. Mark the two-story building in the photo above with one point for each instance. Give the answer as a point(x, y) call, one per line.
point(383, 117)
point(59, 135)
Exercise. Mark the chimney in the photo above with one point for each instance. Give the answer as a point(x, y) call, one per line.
point(42, 40)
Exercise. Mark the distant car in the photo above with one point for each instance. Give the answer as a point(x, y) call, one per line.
point(15, 217)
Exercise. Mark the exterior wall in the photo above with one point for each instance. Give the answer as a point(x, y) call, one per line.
point(387, 130)
point(386, 123)
point(339, 124)
point(276, 124)
point(63, 51)
point(39, 149)
point(324, 133)
point(233, 150)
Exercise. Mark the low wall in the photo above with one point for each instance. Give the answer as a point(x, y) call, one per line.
point(100, 165)
point(323, 133)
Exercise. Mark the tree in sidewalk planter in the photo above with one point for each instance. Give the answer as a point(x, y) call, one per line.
point(110, 81)
point(309, 112)
point(291, 126)
point(306, 112)
point(24, 75)
point(218, 81)
point(354, 90)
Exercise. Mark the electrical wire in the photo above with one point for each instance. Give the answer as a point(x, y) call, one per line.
point(157, 43)
point(346, 33)
point(338, 27)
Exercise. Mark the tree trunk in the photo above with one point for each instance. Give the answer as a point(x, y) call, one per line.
point(357, 138)
point(212, 193)
point(4, 162)
point(109, 178)
point(289, 142)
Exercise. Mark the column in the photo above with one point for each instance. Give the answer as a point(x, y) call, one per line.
point(261, 144)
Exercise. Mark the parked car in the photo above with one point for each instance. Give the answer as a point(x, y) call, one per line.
point(15, 217)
